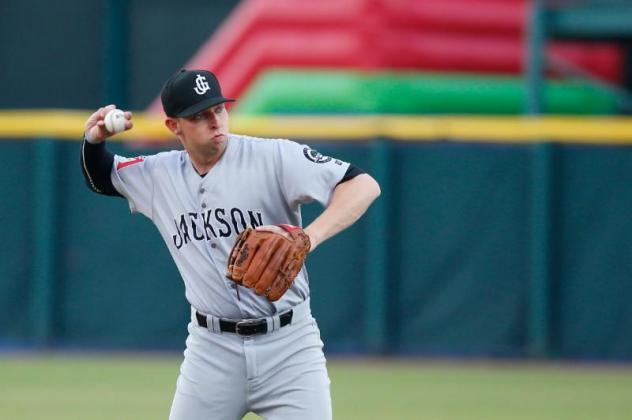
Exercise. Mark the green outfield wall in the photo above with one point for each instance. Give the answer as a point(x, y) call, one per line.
point(475, 248)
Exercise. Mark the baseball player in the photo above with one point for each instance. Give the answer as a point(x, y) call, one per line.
point(228, 209)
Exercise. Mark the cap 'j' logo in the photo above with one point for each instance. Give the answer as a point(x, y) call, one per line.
point(201, 85)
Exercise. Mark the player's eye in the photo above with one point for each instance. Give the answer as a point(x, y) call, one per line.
point(219, 109)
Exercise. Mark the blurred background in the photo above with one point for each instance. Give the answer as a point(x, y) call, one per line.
point(499, 131)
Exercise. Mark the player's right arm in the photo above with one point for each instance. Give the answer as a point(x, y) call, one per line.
point(96, 160)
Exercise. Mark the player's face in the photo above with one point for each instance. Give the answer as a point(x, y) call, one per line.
point(206, 132)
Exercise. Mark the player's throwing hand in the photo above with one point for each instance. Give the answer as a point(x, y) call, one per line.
point(95, 130)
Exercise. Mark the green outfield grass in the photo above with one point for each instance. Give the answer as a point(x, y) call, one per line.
point(141, 387)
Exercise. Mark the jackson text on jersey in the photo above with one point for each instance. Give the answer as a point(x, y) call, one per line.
point(213, 223)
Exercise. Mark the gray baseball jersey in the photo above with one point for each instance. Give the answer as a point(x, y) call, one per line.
point(256, 182)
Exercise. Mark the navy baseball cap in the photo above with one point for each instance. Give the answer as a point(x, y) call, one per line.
point(190, 91)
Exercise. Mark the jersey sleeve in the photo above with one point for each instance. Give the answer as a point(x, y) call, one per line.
point(132, 178)
point(306, 175)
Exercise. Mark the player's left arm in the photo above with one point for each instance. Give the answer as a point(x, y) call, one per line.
point(349, 201)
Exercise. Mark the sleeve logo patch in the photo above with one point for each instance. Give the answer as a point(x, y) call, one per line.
point(314, 156)
point(122, 164)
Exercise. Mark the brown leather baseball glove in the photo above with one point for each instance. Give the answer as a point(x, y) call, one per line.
point(267, 261)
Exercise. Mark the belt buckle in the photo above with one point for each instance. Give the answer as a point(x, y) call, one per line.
point(247, 327)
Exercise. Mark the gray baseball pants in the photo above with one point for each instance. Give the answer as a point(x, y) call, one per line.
point(280, 375)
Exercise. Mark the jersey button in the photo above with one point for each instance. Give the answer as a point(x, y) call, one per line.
point(203, 205)
point(202, 190)
point(213, 246)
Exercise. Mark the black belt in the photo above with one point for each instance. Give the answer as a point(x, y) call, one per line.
point(245, 327)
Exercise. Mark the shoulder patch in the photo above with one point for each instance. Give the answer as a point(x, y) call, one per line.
point(314, 156)
point(122, 164)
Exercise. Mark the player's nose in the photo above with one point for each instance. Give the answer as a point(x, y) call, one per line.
point(213, 120)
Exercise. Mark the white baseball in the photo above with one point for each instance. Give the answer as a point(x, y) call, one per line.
point(115, 121)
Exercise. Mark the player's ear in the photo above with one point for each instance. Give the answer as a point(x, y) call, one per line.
point(173, 126)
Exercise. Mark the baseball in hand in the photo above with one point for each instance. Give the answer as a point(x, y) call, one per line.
point(115, 121)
